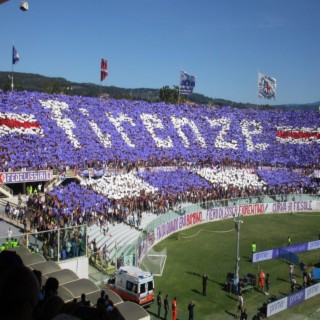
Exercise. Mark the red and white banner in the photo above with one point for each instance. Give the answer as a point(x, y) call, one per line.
point(298, 135)
point(11, 123)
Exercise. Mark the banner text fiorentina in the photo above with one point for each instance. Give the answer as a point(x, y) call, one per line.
point(220, 213)
point(178, 223)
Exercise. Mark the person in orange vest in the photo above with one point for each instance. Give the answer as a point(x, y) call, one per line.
point(262, 277)
point(174, 309)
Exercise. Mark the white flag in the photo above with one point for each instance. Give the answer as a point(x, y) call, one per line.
point(187, 83)
point(266, 86)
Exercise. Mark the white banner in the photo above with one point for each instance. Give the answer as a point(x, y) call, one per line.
point(312, 291)
point(277, 306)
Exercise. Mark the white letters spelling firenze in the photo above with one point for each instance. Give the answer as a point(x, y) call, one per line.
point(154, 124)
point(66, 124)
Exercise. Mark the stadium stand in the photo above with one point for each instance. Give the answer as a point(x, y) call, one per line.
point(118, 165)
point(75, 131)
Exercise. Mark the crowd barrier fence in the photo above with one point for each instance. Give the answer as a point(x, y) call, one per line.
point(188, 216)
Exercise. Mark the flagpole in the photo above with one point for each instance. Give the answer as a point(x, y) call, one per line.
point(179, 86)
point(100, 80)
point(12, 78)
point(12, 86)
point(258, 91)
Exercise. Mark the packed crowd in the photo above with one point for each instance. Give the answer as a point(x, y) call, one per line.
point(115, 199)
point(58, 131)
point(168, 154)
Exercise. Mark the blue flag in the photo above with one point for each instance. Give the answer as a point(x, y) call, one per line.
point(15, 55)
point(187, 83)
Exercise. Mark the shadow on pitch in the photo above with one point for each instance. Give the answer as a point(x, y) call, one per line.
point(284, 280)
point(231, 314)
point(200, 276)
point(195, 274)
point(196, 291)
point(154, 314)
point(249, 259)
point(235, 298)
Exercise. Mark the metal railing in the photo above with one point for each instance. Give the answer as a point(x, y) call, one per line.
point(54, 245)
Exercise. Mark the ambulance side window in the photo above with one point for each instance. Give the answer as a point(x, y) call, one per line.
point(112, 280)
point(135, 287)
point(143, 288)
point(150, 285)
point(129, 285)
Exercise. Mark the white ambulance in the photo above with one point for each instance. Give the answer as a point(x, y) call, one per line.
point(133, 284)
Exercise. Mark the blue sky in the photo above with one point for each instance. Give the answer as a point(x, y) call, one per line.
point(224, 43)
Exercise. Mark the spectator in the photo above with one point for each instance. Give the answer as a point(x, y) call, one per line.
point(52, 307)
point(291, 271)
point(174, 308)
point(166, 307)
point(267, 284)
point(204, 284)
point(244, 314)
point(293, 284)
point(19, 294)
point(253, 249)
point(159, 303)
point(101, 300)
point(108, 304)
point(191, 307)
point(38, 275)
point(84, 302)
point(9, 234)
point(240, 302)
point(261, 280)
point(51, 288)
point(302, 267)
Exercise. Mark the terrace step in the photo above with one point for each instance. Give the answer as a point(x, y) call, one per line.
point(6, 191)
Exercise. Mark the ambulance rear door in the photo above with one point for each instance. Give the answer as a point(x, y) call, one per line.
point(146, 291)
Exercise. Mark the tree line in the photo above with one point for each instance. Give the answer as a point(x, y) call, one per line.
point(167, 94)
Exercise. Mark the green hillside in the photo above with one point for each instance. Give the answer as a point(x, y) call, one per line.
point(36, 82)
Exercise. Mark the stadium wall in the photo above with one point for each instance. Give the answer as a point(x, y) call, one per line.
point(220, 213)
point(292, 300)
point(293, 249)
point(161, 228)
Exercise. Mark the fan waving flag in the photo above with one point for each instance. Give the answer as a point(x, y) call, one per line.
point(187, 83)
point(104, 69)
point(266, 86)
point(15, 55)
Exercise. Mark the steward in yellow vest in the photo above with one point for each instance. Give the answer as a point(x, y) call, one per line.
point(253, 249)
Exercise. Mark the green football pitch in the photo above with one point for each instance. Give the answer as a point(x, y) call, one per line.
point(211, 248)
